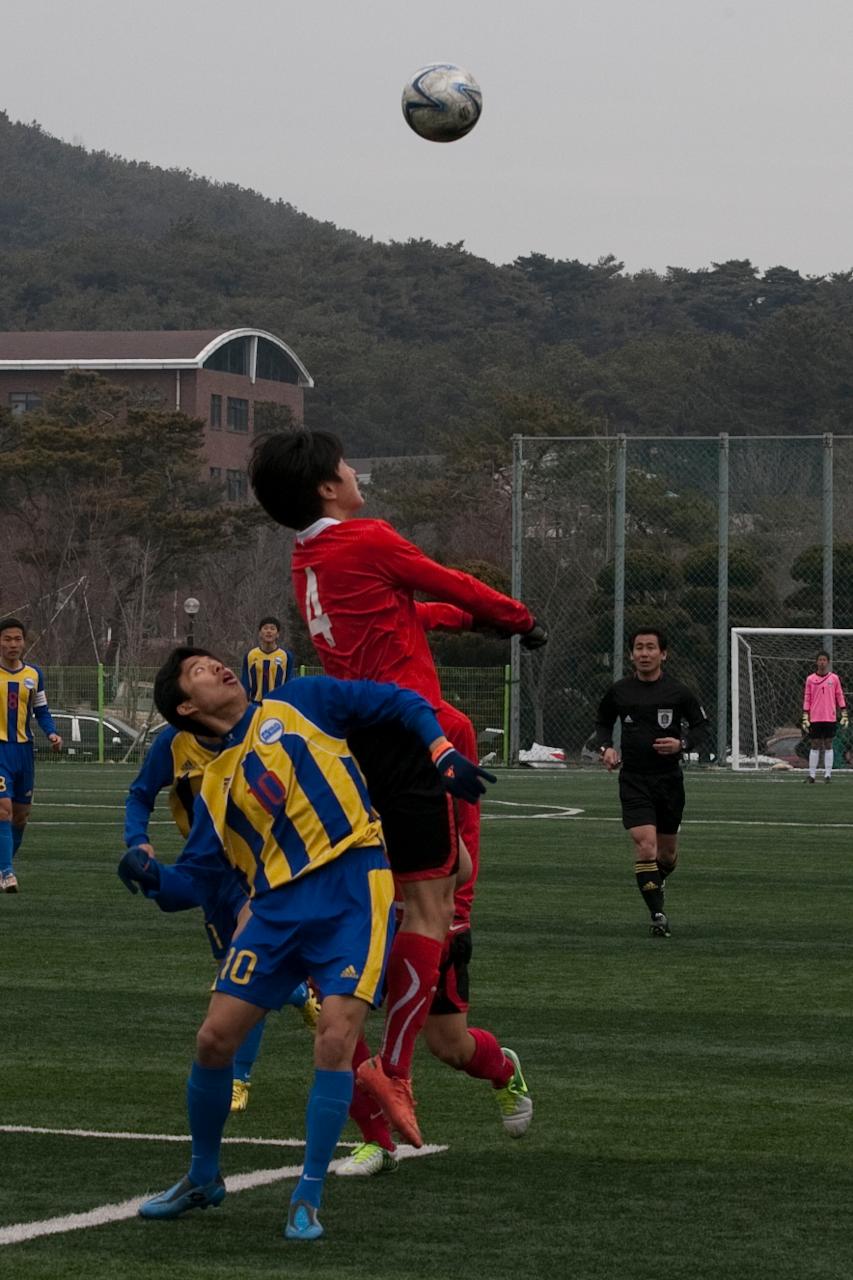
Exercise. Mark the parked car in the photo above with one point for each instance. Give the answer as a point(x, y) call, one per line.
point(79, 730)
point(788, 745)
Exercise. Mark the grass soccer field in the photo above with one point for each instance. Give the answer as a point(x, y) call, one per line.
point(692, 1095)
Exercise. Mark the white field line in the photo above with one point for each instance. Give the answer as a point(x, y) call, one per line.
point(152, 1137)
point(106, 1213)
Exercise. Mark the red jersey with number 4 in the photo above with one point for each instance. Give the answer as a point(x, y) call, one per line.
point(355, 582)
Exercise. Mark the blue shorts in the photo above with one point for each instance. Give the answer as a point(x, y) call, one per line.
point(17, 771)
point(335, 924)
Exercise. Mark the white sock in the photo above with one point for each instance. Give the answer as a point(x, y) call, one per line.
point(814, 756)
point(828, 757)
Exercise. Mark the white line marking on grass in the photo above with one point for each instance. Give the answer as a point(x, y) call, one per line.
point(555, 811)
point(152, 1137)
point(105, 1213)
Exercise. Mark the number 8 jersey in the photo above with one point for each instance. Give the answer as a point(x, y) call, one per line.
point(354, 582)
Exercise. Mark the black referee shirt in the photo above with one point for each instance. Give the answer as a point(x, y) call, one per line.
point(650, 709)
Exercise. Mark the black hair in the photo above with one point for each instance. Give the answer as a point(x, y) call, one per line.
point(269, 618)
point(168, 694)
point(647, 631)
point(821, 654)
point(287, 468)
point(6, 624)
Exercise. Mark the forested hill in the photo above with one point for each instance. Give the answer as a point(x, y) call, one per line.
point(406, 341)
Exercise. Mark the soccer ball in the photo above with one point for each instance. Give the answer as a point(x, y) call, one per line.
point(442, 102)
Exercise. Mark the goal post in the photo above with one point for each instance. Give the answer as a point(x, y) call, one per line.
point(769, 666)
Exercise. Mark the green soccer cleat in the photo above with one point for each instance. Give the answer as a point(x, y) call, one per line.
point(660, 926)
point(182, 1197)
point(514, 1101)
point(368, 1159)
point(302, 1222)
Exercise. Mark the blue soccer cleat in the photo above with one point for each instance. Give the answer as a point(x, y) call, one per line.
point(302, 1222)
point(182, 1197)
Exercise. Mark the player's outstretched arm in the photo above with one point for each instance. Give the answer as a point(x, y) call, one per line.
point(156, 772)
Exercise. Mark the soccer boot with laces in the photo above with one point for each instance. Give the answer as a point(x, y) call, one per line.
point(8, 882)
point(659, 927)
point(182, 1197)
point(302, 1222)
point(310, 1011)
point(393, 1095)
point(514, 1101)
point(367, 1160)
point(240, 1095)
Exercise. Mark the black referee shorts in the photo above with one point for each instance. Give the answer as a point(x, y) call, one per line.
point(418, 817)
point(653, 800)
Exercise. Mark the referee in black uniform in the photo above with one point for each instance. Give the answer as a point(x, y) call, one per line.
point(660, 718)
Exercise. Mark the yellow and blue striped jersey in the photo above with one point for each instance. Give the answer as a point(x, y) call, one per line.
point(177, 760)
point(285, 796)
point(264, 672)
point(22, 696)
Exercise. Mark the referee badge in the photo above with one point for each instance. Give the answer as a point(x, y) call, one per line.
point(664, 717)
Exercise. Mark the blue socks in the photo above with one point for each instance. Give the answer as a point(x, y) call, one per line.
point(328, 1106)
point(248, 1052)
point(208, 1104)
point(17, 837)
point(7, 847)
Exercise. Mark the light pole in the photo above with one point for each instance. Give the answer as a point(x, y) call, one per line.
point(191, 608)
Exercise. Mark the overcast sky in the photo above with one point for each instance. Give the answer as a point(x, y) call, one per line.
point(666, 132)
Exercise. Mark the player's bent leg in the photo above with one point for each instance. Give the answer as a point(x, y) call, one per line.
point(667, 854)
point(377, 1152)
point(20, 817)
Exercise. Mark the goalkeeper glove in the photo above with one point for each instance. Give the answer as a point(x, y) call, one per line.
point(138, 868)
point(845, 719)
point(460, 776)
point(535, 637)
point(805, 722)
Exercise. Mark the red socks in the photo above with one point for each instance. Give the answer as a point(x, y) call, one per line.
point(488, 1061)
point(411, 981)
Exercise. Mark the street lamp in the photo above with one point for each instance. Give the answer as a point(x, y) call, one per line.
point(191, 608)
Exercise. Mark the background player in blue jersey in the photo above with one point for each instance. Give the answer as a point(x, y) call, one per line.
point(285, 804)
point(268, 665)
point(22, 696)
point(177, 760)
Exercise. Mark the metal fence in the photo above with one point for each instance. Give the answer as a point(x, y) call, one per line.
point(107, 714)
point(694, 534)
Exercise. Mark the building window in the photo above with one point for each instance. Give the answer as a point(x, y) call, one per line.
point(274, 365)
point(24, 401)
point(216, 412)
point(216, 475)
point(236, 486)
point(233, 357)
point(238, 414)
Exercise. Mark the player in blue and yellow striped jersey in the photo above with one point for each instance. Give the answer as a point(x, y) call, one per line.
point(177, 759)
point(22, 697)
point(285, 804)
point(268, 666)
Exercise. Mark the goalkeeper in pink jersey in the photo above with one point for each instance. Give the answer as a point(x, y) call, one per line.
point(823, 696)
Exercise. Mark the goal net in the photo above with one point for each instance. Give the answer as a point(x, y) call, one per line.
point(769, 667)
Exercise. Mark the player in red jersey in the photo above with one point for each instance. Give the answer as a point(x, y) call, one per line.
point(355, 582)
point(472, 1050)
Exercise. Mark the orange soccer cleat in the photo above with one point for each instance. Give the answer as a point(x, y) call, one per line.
point(394, 1095)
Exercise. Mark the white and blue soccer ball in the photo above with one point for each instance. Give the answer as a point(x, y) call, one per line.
point(442, 102)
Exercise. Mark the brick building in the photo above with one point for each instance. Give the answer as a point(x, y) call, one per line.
point(218, 375)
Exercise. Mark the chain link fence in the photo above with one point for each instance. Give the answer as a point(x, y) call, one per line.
point(107, 714)
point(695, 535)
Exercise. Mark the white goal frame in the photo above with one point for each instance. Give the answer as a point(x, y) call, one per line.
point(822, 634)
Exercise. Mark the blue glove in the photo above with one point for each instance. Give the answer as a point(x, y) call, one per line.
point(460, 776)
point(138, 868)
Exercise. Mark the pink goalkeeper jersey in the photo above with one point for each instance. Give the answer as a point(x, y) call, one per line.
point(821, 696)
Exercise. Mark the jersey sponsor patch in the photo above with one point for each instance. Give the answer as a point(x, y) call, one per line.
point(270, 731)
point(664, 717)
point(29, 683)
